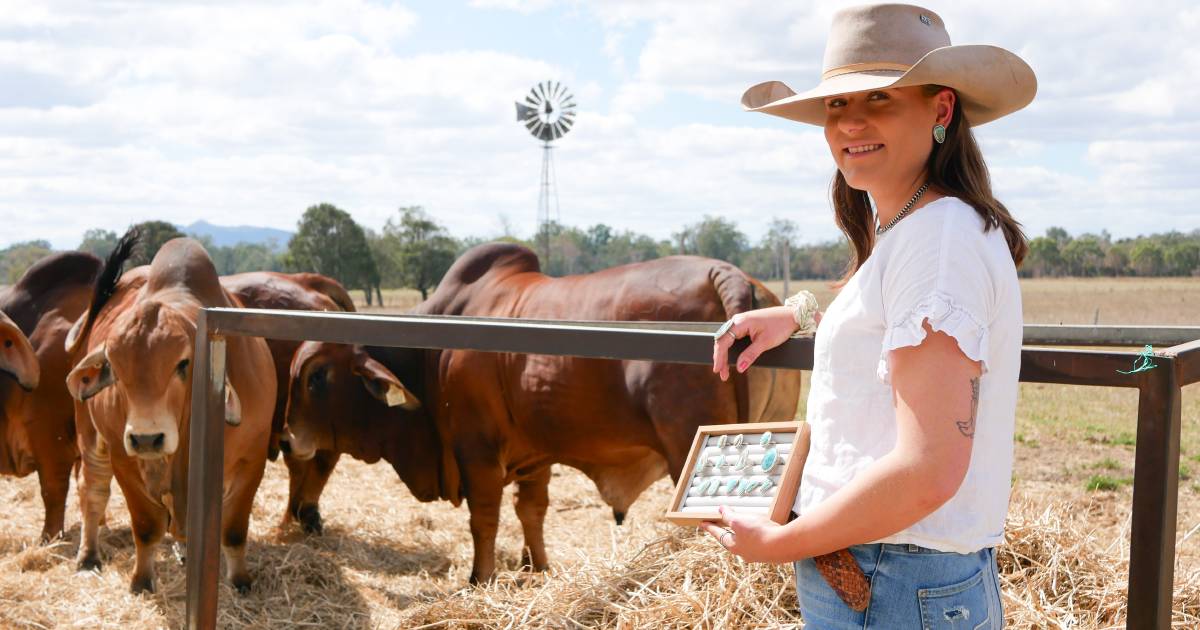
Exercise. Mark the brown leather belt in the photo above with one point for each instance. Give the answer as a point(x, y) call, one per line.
point(845, 577)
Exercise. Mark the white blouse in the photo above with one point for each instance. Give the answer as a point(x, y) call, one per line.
point(936, 263)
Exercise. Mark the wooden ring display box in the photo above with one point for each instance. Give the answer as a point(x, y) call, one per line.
point(741, 467)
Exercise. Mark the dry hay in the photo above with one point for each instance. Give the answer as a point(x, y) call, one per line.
point(387, 561)
point(1061, 566)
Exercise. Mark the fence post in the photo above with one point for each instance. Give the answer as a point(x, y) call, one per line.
point(1155, 498)
point(206, 457)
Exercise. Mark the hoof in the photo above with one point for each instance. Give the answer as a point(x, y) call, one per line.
point(310, 520)
point(619, 517)
point(242, 584)
point(141, 585)
point(88, 563)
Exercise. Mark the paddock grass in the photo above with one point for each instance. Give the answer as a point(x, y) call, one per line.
point(388, 561)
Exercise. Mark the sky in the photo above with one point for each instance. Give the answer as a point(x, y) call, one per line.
point(246, 113)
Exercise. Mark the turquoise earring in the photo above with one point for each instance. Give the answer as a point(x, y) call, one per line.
point(939, 133)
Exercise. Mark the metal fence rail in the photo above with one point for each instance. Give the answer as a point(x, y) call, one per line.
point(1156, 465)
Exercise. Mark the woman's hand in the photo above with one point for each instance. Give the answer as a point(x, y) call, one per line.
point(753, 538)
point(766, 327)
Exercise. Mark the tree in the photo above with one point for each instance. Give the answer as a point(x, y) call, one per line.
point(781, 233)
point(1045, 259)
point(1147, 258)
point(17, 258)
point(329, 242)
point(1182, 258)
point(420, 248)
point(713, 237)
point(98, 241)
point(153, 235)
point(1083, 256)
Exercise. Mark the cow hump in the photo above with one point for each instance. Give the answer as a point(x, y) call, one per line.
point(184, 263)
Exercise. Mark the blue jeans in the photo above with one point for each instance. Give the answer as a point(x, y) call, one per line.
point(911, 587)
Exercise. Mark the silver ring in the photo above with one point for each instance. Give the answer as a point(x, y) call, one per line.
point(726, 328)
point(722, 536)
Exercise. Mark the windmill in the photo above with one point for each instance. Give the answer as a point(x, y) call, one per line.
point(547, 112)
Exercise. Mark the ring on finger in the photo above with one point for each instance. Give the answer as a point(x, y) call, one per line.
point(727, 532)
point(725, 329)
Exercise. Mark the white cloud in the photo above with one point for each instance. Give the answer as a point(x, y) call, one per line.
point(114, 112)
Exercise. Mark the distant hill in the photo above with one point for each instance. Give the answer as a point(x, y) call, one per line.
point(225, 235)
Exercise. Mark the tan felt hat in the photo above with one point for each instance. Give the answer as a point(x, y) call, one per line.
point(895, 45)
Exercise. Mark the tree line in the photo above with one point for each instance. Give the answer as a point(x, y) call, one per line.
point(413, 250)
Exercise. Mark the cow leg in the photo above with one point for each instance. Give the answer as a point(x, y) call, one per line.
point(235, 522)
point(485, 489)
point(94, 488)
point(531, 501)
point(306, 481)
point(147, 532)
point(54, 480)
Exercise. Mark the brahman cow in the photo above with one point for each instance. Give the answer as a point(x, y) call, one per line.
point(295, 292)
point(37, 427)
point(460, 423)
point(133, 393)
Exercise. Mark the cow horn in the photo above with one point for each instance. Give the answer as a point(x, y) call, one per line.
point(233, 405)
point(91, 375)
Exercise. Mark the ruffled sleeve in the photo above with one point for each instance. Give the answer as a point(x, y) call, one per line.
point(941, 273)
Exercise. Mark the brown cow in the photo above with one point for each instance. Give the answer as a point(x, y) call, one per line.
point(133, 388)
point(37, 427)
point(295, 292)
point(466, 423)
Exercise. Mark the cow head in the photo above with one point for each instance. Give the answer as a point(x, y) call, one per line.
point(343, 400)
point(17, 358)
point(145, 359)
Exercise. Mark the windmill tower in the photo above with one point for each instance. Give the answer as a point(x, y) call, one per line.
point(547, 113)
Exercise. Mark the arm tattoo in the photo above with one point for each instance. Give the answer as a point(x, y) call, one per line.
point(967, 427)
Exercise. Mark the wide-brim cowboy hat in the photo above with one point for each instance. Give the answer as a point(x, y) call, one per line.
point(896, 45)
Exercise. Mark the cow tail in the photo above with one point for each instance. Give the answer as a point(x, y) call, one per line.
point(105, 285)
point(737, 296)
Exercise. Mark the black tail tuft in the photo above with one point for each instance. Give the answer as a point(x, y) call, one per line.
point(106, 282)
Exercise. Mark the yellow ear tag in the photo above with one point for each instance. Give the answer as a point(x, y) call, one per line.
point(395, 396)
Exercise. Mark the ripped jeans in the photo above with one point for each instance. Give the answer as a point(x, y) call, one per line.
point(911, 587)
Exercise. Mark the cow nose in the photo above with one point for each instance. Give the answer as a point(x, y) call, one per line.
point(147, 442)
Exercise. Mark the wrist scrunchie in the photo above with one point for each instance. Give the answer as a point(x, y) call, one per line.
point(804, 309)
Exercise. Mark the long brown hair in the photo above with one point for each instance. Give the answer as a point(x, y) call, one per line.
point(955, 168)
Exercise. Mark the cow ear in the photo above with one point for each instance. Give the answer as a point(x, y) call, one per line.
point(383, 384)
point(17, 356)
point(233, 405)
point(72, 342)
point(90, 375)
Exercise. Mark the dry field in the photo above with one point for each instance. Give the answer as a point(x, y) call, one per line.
point(387, 561)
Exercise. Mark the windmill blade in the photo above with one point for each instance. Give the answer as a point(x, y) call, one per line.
point(559, 131)
point(525, 113)
point(542, 90)
point(557, 92)
point(566, 123)
point(532, 98)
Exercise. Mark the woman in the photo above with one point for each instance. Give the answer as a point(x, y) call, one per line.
point(916, 361)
